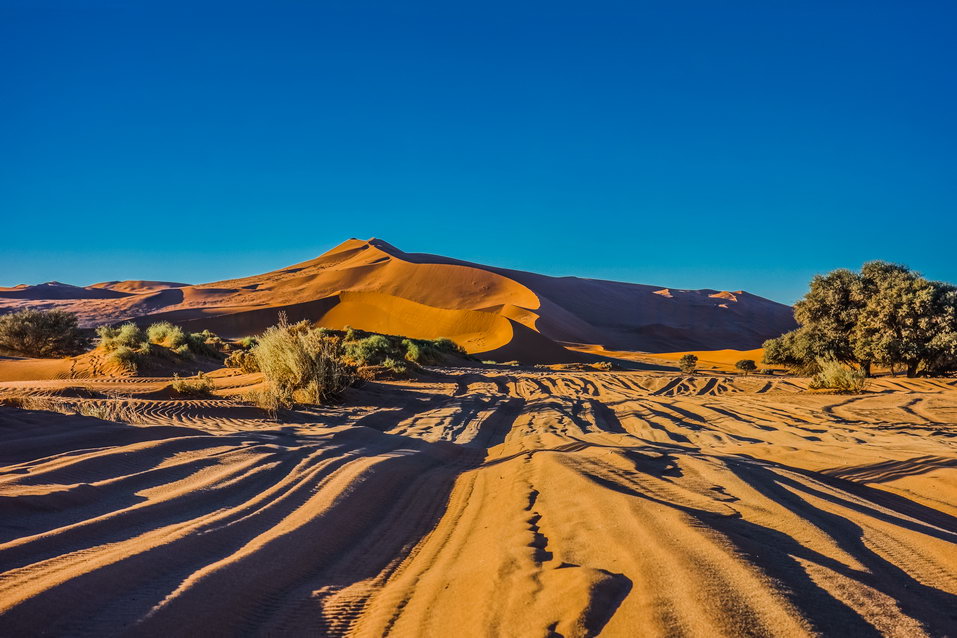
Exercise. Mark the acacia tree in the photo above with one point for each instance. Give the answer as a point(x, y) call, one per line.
point(687, 363)
point(38, 333)
point(907, 320)
point(887, 314)
point(747, 366)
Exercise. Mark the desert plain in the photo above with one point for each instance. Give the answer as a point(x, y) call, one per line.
point(491, 498)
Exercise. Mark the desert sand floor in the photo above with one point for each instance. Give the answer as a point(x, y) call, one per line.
point(486, 502)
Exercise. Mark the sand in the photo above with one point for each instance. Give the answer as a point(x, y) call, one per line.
point(486, 501)
point(494, 313)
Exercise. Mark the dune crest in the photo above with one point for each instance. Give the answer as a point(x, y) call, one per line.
point(376, 286)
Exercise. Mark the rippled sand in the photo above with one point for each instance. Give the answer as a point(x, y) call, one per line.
point(485, 502)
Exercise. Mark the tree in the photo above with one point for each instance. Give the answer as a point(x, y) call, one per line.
point(747, 366)
point(38, 333)
point(886, 314)
point(907, 321)
point(688, 363)
point(828, 314)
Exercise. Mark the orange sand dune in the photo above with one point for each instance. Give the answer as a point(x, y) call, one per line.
point(485, 501)
point(138, 286)
point(386, 290)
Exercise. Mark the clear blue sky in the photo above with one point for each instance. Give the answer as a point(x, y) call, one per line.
point(688, 144)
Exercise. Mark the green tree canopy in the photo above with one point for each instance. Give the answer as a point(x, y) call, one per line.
point(687, 363)
point(746, 366)
point(887, 314)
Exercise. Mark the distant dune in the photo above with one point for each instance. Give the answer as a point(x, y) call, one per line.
point(493, 312)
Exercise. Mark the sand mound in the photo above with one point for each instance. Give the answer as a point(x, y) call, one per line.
point(380, 288)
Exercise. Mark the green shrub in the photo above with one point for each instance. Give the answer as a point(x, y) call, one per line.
point(423, 352)
point(166, 334)
point(688, 363)
point(834, 375)
point(444, 344)
point(198, 386)
point(371, 351)
point(747, 366)
point(129, 335)
point(125, 356)
point(300, 364)
point(398, 367)
point(38, 333)
point(247, 342)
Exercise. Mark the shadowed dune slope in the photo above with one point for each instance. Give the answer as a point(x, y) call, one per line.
point(373, 285)
point(485, 501)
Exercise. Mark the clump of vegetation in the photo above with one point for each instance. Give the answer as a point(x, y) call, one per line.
point(166, 334)
point(126, 357)
point(198, 386)
point(246, 343)
point(301, 364)
point(109, 410)
point(370, 349)
point(688, 363)
point(419, 352)
point(446, 345)
point(129, 335)
point(747, 366)
point(245, 360)
point(37, 333)
point(886, 315)
point(128, 343)
point(834, 375)
point(604, 366)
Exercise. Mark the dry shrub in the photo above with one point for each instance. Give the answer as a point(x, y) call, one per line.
point(301, 364)
point(244, 360)
point(198, 386)
point(110, 410)
point(834, 375)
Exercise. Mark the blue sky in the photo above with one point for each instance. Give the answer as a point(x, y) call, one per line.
point(687, 144)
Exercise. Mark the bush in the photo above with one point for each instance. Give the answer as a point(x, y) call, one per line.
point(371, 351)
point(244, 360)
point(301, 364)
point(397, 366)
point(110, 410)
point(747, 366)
point(247, 342)
point(444, 344)
point(423, 352)
point(199, 386)
point(125, 356)
point(129, 336)
point(834, 375)
point(166, 334)
point(38, 333)
point(688, 363)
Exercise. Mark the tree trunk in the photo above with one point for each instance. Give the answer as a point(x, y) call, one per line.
point(912, 370)
point(866, 367)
